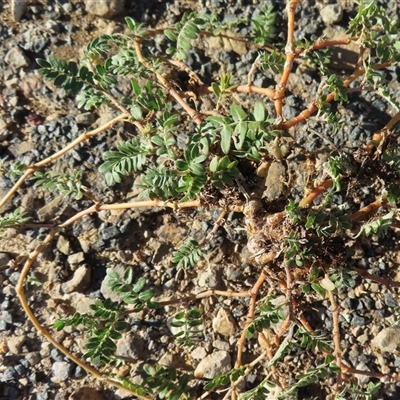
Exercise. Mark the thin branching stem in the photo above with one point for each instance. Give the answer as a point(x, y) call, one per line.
point(323, 44)
point(290, 57)
point(195, 115)
point(382, 377)
point(366, 211)
point(313, 106)
point(42, 331)
point(377, 137)
point(389, 283)
point(289, 286)
point(208, 293)
point(306, 201)
point(219, 222)
point(253, 293)
point(33, 168)
point(249, 368)
point(336, 331)
point(267, 46)
point(182, 66)
point(270, 93)
point(123, 109)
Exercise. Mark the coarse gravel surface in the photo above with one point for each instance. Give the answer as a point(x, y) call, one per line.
point(37, 120)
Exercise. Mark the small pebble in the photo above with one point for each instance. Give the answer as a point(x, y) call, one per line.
point(358, 320)
point(390, 301)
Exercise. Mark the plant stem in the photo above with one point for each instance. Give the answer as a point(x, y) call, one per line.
point(196, 116)
point(33, 168)
point(290, 57)
point(336, 331)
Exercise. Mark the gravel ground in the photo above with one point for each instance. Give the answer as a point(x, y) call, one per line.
point(36, 121)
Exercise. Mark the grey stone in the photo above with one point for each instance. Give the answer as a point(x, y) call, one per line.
point(79, 372)
point(279, 302)
point(170, 283)
point(49, 210)
point(199, 353)
point(208, 278)
point(85, 119)
point(3, 325)
point(35, 40)
point(56, 355)
point(76, 258)
point(388, 340)
point(6, 304)
point(28, 200)
point(109, 233)
point(175, 330)
point(233, 273)
point(379, 313)
point(61, 371)
point(33, 358)
point(52, 26)
point(14, 343)
point(129, 346)
point(88, 240)
point(105, 9)
point(275, 181)
point(214, 364)
point(18, 7)
point(390, 301)
point(343, 57)
point(9, 374)
point(4, 259)
point(63, 245)
point(16, 58)
point(7, 317)
point(221, 345)
point(79, 281)
point(358, 321)
point(160, 251)
point(20, 369)
point(68, 7)
point(42, 396)
point(332, 14)
point(24, 362)
point(223, 323)
point(45, 350)
point(368, 303)
point(82, 303)
point(14, 277)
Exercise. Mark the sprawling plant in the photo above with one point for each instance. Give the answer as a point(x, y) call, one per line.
point(190, 156)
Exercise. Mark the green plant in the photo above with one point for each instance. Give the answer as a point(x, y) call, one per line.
point(166, 383)
point(104, 328)
point(221, 157)
point(131, 292)
point(266, 314)
point(188, 321)
point(15, 218)
point(187, 255)
point(65, 184)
